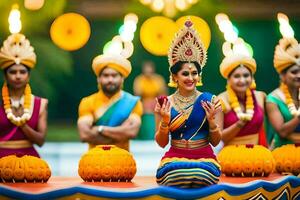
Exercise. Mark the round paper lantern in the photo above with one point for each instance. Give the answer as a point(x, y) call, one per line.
point(246, 160)
point(70, 31)
point(23, 169)
point(33, 4)
point(200, 25)
point(107, 163)
point(156, 35)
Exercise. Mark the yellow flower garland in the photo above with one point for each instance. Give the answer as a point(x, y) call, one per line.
point(18, 121)
point(234, 103)
point(289, 101)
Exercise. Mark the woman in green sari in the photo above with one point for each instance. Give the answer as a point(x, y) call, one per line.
point(283, 103)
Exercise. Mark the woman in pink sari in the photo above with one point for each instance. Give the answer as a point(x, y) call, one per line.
point(23, 116)
point(243, 106)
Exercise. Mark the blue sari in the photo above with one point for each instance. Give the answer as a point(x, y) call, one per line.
point(189, 167)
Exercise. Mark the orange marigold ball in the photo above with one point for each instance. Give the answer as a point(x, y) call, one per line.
point(107, 163)
point(246, 160)
point(287, 158)
point(23, 169)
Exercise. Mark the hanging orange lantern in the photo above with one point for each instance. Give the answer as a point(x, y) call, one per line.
point(154, 37)
point(70, 31)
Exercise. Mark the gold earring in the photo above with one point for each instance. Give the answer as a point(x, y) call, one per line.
point(172, 83)
point(199, 83)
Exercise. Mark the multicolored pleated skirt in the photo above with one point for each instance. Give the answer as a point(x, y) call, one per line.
point(187, 172)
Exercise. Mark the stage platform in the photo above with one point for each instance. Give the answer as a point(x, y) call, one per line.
point(273, 187)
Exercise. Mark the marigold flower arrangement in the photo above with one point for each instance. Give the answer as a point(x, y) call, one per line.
point(107, 163)
point(287, 158)
point(246, 160)
point(23, 169)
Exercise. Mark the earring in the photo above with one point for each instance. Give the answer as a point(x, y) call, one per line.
point(172, 83)
point(199, 83)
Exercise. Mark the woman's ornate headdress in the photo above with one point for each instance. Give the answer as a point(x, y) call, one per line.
point(236, 54)
point(186, 46)
point(287, 53)
point(17, 50)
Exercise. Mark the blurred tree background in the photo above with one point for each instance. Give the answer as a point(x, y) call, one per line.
point(65, 77)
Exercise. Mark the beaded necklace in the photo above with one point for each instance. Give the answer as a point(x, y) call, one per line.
point(181, 102)
point(289, 100)
point(234, 103)
point(18, 121)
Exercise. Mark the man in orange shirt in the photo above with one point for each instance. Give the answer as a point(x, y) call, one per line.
point(111, 115)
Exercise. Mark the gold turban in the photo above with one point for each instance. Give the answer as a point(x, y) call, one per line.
point(234, 59)
point(287, 53)
point(116, 62)
point(17, 50)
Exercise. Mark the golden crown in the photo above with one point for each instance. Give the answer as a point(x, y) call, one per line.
point(187, 46)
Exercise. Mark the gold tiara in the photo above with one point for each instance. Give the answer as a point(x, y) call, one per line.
point(187, 46)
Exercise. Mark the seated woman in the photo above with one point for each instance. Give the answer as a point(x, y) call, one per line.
point(23, 116)
point(243, 106)
point(283, 103)
point(190, 117)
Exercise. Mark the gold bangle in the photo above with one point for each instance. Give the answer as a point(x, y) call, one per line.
point(164, 124)
point(216, 129)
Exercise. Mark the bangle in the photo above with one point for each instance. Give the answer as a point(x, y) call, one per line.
point(163, 129)
point(216, 129)
point(164, 124)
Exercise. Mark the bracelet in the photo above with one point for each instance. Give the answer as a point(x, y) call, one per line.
point(164, 124)
point(216, 129)
point(163, 128)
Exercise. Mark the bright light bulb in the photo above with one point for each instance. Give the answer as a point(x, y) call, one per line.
point(220, 17)
point(146, 2)
point(131, 17)
point(230, 36)
point(286, 31)
point(14, 20)
point(282, 18)
point(158, 5)
point(225, 26)
point(180, 4)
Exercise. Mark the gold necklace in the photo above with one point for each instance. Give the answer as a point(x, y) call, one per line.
point(181, 102)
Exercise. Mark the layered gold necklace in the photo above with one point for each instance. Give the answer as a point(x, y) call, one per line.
point(20, 120)
point(182, 102)
point(289, 100)
point(235, 105)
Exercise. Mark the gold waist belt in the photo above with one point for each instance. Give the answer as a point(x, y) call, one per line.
point(189, 144)
point(295, 137)
point(247, 139)
point(15, 144)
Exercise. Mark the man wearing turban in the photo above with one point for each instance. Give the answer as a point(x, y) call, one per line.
point(111, 115)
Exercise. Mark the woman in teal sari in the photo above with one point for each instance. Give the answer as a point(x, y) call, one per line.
point(283, 103)
point(189, 118)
